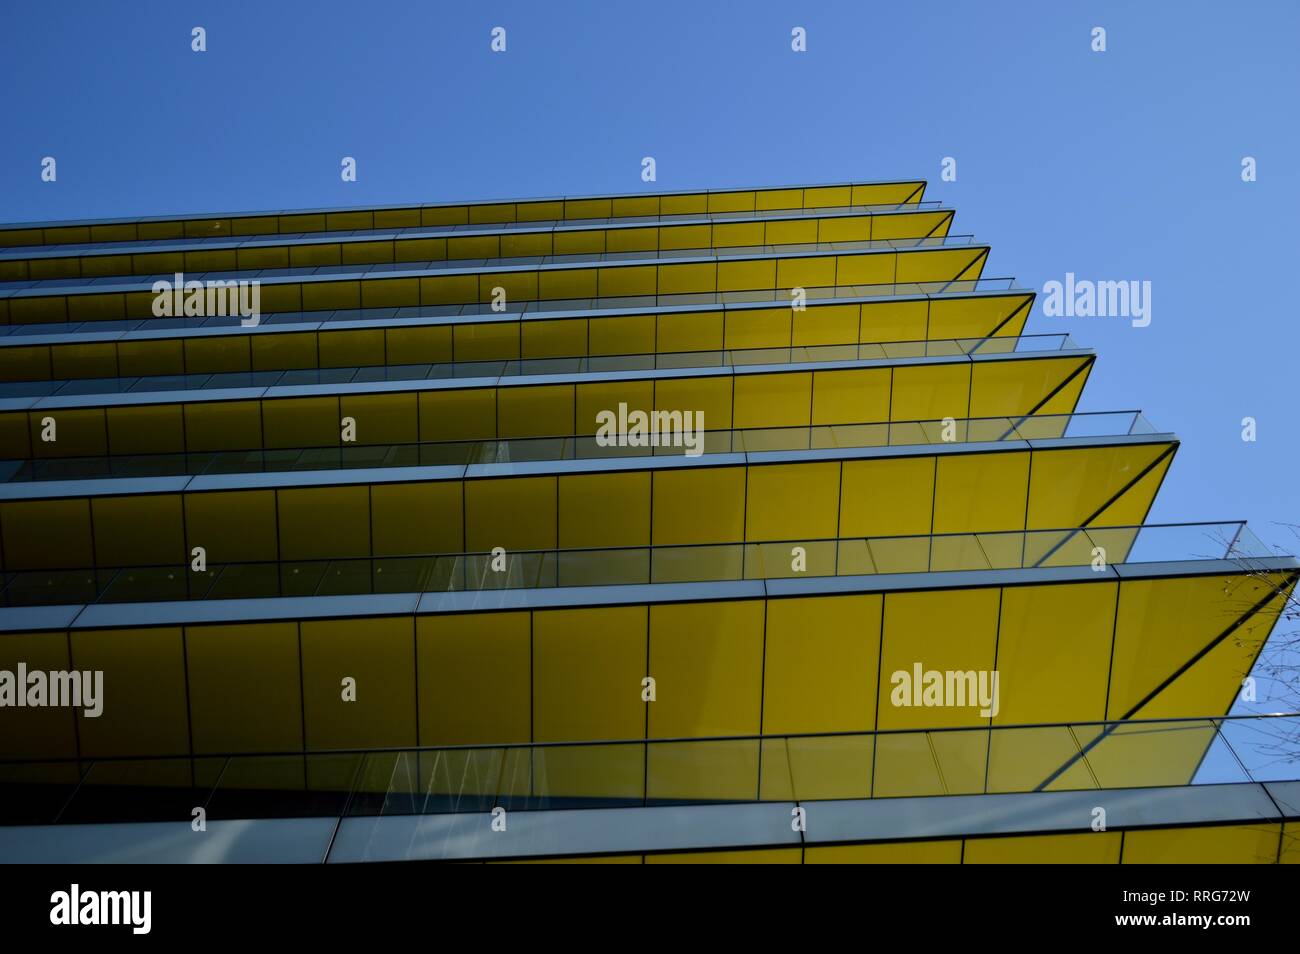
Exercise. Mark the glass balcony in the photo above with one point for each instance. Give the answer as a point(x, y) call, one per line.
point(1080, 756)
point(1096, 424)
point(542, 308)
point(436, 266)
point(620, 566)
point(882, 351)
point(433, 231)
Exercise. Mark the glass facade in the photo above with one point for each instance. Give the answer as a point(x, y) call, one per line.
point(649, 522)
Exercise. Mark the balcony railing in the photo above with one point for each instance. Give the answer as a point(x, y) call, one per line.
point(622, 566)
point(422, 231)
point(1099, 424)
point(780, 297)
point(578, 364)
point(619, 774)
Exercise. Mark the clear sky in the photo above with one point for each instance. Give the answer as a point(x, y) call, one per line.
point(1122, 165)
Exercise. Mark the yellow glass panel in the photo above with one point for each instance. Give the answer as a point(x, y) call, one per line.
point(245, 694)
point(792, 232)
point(1217, 844)
point(84, 361)
point(745, 275)
point(474, 678)
point(592, 399)
point(889, 853)
point(554, 339)
point(849, 228)
point(496, 341)
point(118, 524)
point(358, 683)
point(1083, 848)
point(1047, 677)
point(149, 429)
point(416, 518)
point(977, 317)
point(225, 353)
point(815, 272)
point(851, 396)
point(223, 425)
point(632, 240)
point(605, 510)
point(976, 492)
point(545, 411)
point(759, 856)
point(321, 523)
point(887, 497)
point(793, 501)
point(568, 283)
point(416, 345)
point(631, 334)
point(1137, 754)
point(820, 670)
point(26, 364)
point(703, 771)
point(1070, 485)
point(873, 268)
point(707, 663)
point(37, 732)
point(232, 526)
point(458, 415)
point(150, 357)
point(591, 772)
point(931, 392)
point(773, 400)
point(894, 321)
point(757, 328)
point(46, 534)
point(699, 505)
point(1131, 508)
point(1211, 684)
point(277, 352)
point(710, 396)
point(330, 295)
point(346, 349)
point(1016, 386)
point(826, 325)
point(587, 670)
point(938, 265)
point(381, 418)
point(1290, 850)
point(683, 279)
point(301, 422)
point(145, 706)
point(952, 631)
point(75, 433)
point(684, 236)
point(515, 513)
point(692, 331)
point(1162, 624)
point(14, 436)
point(633, 280)
point(449, 290)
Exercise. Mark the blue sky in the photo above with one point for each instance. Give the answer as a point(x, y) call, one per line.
point(1123, 165)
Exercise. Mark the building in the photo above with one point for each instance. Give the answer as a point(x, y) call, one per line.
point(737, 525)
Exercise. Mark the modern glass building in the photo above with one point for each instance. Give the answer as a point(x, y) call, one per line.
point(738, 525)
